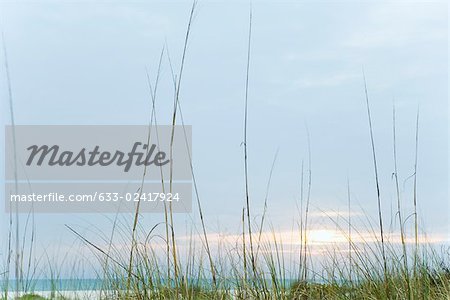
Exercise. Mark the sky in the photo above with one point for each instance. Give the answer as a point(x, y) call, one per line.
point(85, 63)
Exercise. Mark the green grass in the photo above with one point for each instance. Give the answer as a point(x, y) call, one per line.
point(31, 297)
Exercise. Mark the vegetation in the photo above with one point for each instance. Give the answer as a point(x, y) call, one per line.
point(255, 266)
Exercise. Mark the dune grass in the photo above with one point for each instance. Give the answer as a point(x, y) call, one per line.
point(254, 266)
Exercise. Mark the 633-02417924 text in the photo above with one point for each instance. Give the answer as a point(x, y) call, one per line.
point(100, 197)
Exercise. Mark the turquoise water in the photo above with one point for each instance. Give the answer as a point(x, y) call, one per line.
point(50, 285)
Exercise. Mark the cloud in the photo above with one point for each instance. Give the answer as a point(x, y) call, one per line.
point(390, 25)
point(330, 80)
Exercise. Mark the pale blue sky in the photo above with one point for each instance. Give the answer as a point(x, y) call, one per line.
point(84, 63)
